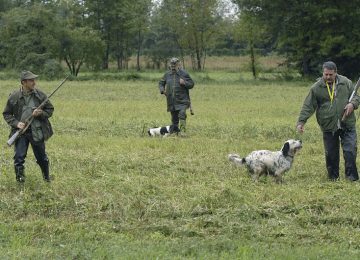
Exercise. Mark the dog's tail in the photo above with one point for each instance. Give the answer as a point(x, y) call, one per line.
point(235, 158)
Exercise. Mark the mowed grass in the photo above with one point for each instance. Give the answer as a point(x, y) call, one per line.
point(119, 194)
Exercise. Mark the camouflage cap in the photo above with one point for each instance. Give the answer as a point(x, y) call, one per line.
point(174, 60)
point(26, 74)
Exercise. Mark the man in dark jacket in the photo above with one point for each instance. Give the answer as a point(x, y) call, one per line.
point(175, 85)
point(21, 106)
point(329, 98)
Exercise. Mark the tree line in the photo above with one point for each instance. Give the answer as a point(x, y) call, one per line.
point(309, 32)
point(43, 34)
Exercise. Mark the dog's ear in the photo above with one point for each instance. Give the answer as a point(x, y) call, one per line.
point(285, 149)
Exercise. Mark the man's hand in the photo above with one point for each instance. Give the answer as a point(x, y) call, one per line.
point(37, 112)
point(182, 82)
point(348, 109)
point(20, 125)
point(300, 128)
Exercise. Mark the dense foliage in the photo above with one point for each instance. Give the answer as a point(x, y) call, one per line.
point(101, 33)
point(309, 32)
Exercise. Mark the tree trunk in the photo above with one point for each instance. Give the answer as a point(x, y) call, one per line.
point(68, 64)
point(120, 60)
point(138, 52)
point(78, 67)
point(203, 65)
point(193, 62)
point(252, 60)
point(119, 50)
point(198, 60)
point(106, 56)
point(198, 54)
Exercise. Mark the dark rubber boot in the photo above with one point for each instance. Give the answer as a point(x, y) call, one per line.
point(20, 173)
point(351, 172)
point(45, 170)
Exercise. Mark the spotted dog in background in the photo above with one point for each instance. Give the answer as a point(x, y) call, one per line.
point(267, 162)
point(163, 131)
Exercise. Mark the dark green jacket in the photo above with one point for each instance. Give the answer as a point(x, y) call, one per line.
point(329, 114)
point(177, 95)
point(13, 111)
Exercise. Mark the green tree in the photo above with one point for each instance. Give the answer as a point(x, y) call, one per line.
point(254, 34)
point(4, 5)
point(310, 32)
point(79, 46)
point(40, 36)
point(140, 24)
point(121, 24)
point(160, 41)
point(101, 17)
point(122, 34)
point(29, 37)
point(194, 25)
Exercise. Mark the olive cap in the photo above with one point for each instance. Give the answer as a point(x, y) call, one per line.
point(27, 74)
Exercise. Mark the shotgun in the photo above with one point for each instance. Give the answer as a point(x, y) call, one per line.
point(29, 120)
point(352, 96)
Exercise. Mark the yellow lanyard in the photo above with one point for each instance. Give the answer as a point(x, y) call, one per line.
point(331, 93)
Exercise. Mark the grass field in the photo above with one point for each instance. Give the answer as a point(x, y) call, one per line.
point(119, 194)
point(222, 63)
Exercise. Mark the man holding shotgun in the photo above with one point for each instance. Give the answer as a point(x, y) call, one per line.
point(333, 97)
point(23, 111)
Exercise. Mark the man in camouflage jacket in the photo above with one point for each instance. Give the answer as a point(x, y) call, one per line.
point(329, 98)
point(21, 105)
point(175, 85)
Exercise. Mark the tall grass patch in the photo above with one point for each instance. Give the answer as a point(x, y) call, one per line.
point(118, 193)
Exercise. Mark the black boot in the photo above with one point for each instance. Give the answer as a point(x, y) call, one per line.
point(20, 173)
point(174, 129)
point(44, 165)
point(351, 172)
point(333, 175)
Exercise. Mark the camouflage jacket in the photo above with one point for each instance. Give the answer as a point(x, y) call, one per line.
point(14, 108)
